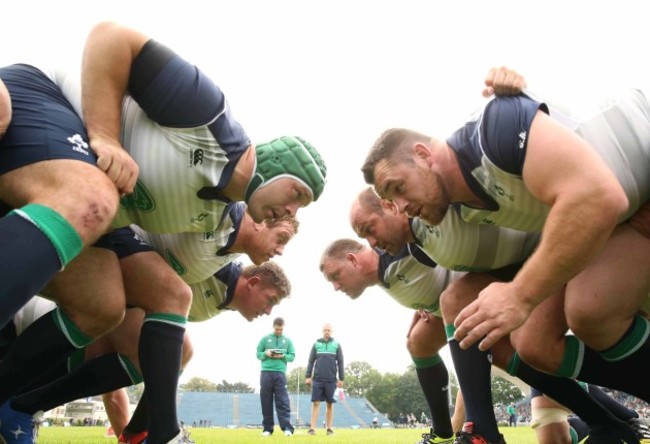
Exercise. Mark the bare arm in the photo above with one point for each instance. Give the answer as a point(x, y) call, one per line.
point(5, 108)
point(108, 54)
point(586, 203)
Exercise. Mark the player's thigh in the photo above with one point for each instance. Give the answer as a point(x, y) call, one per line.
point(45, 157)
point(90, 291)
point(79, 192)
point(461, 293)
point(427, 337)
point(153, 285)
point(614, 286)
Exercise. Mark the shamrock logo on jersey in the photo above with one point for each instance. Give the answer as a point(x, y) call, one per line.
point(140, 199)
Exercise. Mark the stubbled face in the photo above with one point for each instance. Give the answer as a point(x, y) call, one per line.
point(270, 242)
point(344, 276)
point(327, 332)
point(280, 198)
point(260, 301)
point(388, 231)
point(278, 329)
point(415, 189)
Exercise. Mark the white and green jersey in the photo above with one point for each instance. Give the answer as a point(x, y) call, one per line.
point(492, 149)
point(197, 256)
point(178, 127)
point(211, 296)
point(413, 280)
point(461, 246)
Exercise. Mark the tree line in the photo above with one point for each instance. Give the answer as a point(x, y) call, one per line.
point(390, 393)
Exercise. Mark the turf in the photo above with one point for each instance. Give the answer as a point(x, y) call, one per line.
point(96, 435)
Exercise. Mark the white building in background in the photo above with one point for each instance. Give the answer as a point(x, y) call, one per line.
point(79, 410)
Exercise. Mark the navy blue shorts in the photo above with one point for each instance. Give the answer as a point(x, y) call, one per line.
point(323, 391)
point(44, 125)
point(125, 243)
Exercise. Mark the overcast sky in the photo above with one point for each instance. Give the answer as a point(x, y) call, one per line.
point(338, 73)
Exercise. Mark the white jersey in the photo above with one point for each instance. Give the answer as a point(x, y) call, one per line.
point(178, 127)
point(197, 256)
point(413, 280)
point(210, 297)
point(461, 246)
point(492, 149)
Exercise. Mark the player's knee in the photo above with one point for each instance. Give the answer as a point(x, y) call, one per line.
point(550, 425)
point(110, 316)
point(450, 303)
point(183, 293)
point(583, 321)
point(532, 354)
point(95, 323)
point(178, 297)
point(96, 208)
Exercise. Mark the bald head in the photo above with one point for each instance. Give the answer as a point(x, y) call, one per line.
point(379, 223)
point(327, 331)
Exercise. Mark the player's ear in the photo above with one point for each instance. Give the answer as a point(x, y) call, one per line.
point(388, 206)
point(352, 258)
point(253, 281)
point(421, 151)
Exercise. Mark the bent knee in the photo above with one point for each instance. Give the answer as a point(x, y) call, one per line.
point(585, 322)
point(533, 355)
point(96, 209)
point(177, 299)
point(99, 322)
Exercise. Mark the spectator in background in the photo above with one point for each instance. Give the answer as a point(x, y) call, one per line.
point(275, 350)
point(325, 362)
point(512, 415)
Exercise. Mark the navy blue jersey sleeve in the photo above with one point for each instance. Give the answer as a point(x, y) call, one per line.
point(341, 365)
point(504, 129)
point(310, 363)
point(176, 94)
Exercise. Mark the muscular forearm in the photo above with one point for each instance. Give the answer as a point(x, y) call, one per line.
point(108, 54)
point(5, 108)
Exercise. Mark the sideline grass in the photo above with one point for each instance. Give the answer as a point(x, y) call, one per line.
point(95, 435)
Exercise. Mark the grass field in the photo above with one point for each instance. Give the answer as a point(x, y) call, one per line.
point(95, 435)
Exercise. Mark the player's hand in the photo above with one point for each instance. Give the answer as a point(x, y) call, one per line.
point(497, 312)
point(503, 82)
point(640, 220)
point(308, 381)
point(116, 162)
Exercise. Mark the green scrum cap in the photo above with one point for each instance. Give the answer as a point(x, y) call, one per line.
point(292, 157)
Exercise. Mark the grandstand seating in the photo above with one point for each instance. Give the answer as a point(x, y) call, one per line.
point(244, 410)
